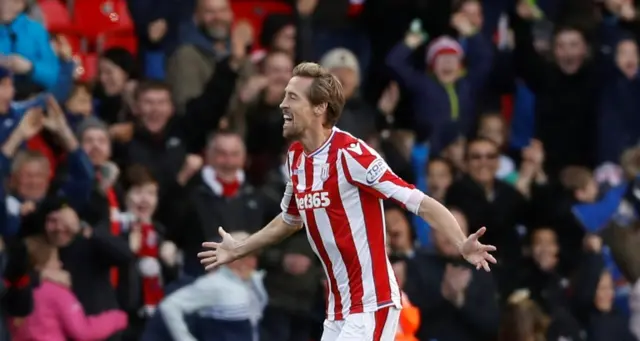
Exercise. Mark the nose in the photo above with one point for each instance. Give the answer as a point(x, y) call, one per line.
point(283, 104)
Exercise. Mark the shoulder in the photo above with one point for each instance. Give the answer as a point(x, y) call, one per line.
point(24, 22)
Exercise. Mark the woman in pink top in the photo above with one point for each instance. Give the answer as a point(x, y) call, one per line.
point(57, 315)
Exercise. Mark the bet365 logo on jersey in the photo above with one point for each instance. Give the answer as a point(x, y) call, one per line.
point(313, 200)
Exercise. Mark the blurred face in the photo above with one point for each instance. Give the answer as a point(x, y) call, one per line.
point(398, 231)
point(278, 68)
point(32, 179)
point(589, 193)
point(482, 161)
point(9, 9)
point(226, 154)
point(605, 293)
point(439, 179)
point(7, 91)
point(446, 67)
point(61, 227)
point(80, 102)
point(492, 128)
point(96, 143)
point(245, 267)
point(285, 40)
point(544, 249)
point(142, 201)
point(299, 114)
point(473, 11)
point(111, 77)
point(155, 109)
point(444, 246)
point(215, 16)
point(349, 79)
point(570, 51)
point(627, 58)
point(455, 153)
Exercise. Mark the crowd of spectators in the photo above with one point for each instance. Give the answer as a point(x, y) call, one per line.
point(519, 115)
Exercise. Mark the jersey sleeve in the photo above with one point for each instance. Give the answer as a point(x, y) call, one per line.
point(290, 213)
point(365, 168)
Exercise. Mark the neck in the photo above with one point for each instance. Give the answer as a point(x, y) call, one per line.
point(314, 139)
point(227, 177)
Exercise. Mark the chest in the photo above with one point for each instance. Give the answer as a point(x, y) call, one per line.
point(317, 184)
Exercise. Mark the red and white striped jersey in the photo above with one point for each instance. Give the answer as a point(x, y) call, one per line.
point(337, 193)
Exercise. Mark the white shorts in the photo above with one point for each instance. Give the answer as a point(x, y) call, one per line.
point(380, 325)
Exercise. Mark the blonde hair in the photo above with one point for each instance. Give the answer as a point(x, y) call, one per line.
point(325, 88)
point(523, 319)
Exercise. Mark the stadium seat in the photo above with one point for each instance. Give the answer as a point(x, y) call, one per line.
point(56, 16)
point(87, 66)
point(125, 40)
point(255, 12)
point(92, 18)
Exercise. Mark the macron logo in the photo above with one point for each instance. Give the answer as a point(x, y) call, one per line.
point(355, 147)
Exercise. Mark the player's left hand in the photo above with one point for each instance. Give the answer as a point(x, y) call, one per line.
point(477, 253)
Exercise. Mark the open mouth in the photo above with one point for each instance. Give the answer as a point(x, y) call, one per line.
point(288, 118)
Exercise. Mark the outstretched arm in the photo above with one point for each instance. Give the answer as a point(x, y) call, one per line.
point(365, 168)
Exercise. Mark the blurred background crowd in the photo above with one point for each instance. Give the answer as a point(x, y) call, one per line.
point(130, 130)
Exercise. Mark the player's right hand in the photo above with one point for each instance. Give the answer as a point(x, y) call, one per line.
point(221, 253)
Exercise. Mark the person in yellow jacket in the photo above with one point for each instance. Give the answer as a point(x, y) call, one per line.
point(409, 315)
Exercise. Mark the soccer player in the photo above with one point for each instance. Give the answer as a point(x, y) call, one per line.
point(335, 188)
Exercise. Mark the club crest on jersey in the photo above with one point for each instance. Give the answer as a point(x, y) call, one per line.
point(375, 171)
point(324, 172)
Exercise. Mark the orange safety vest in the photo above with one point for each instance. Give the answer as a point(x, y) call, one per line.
point(409, 321)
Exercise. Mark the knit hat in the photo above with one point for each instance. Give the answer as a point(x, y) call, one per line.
point(443, 45)
point(90, 122)
point(340, 58)
point(122, 58)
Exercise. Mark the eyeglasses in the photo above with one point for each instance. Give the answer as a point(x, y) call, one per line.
point(480, 156)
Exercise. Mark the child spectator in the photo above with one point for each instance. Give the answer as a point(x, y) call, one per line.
point(141, 289)
point(79, 105)
point(492, 126)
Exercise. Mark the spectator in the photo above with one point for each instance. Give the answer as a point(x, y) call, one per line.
point(79, 104)
point(455, 303)
point(229, 300)
point(17, 285)
point(115, 68)
point(448, 100)
point(57, 313)
point(86, 253)
point(106, 200)
point(26, 49)
point(440, 174)
point(487, 200)
point(524, 320)
point(278, 35)
point(204, 42)
point(141, 285)
point(31, 171)
point(400, 233)
point(157, 143)
point(594, 297)
point(493, 127)
point(257, 115)
point(9, 117)
point(217, 196)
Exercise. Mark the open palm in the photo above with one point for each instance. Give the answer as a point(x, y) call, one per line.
point(221, 253)
point(477, 253)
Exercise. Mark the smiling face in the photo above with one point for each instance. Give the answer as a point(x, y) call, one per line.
point(297, 110)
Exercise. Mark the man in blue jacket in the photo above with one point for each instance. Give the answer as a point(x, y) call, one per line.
point(25, 49)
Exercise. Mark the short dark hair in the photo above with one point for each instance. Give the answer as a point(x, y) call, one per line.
point(325, 88)
point(479, 140)
point(138, 175)
point(150, 85)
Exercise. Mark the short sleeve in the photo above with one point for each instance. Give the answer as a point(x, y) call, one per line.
point(365, 168)
point(290, 213)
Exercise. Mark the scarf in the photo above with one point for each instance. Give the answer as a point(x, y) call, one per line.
point(149, 266)
point(220, 188)
point(114, 209)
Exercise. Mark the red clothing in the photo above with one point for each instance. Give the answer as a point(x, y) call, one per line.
point(337, 192)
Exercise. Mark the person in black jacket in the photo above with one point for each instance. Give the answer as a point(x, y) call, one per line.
point(16, 288)
point(455, 302)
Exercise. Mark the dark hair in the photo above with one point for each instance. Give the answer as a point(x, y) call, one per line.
point(138, 175)
point(447, 163)
point(325, 88)
point(479, 140)
point(150, 85)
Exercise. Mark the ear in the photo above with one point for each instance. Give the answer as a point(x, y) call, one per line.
point(320, 109)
